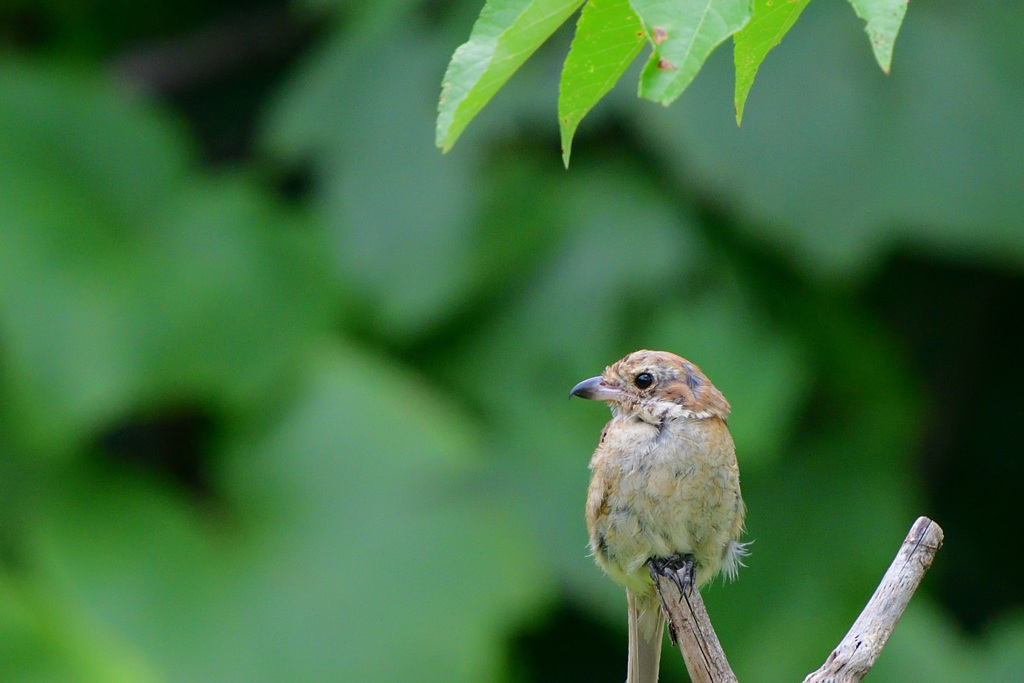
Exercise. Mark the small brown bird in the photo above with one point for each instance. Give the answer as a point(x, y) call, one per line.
point(664, 496)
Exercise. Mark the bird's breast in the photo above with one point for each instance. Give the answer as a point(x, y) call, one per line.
point(659, 490)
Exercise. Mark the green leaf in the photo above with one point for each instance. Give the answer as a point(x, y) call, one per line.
point(608, 38)
point(124, 271)
point(355, 551)
point(883, 18)
point(504, 36)
point(772, 19)
point(43, 638)
point(340, 501)
point(684, 34)
point(421, 204)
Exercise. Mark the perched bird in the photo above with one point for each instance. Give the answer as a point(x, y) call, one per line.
point(664, 495)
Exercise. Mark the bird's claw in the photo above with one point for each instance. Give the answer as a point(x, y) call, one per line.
point(680, 568)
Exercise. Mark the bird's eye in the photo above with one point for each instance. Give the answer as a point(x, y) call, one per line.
point(644, 380)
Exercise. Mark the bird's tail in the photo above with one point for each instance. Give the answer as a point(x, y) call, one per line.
point(646, 625)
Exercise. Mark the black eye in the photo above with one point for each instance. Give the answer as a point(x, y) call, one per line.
point(644, 380)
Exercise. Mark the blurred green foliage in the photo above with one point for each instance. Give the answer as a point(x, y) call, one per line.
point(283, 390)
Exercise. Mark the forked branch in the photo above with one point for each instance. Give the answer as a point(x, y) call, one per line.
point(855, 654)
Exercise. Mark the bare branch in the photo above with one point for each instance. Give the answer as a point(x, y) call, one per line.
point(857, 652)
point(691, 628)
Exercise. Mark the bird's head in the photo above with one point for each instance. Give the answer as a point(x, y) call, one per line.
point(654, 385)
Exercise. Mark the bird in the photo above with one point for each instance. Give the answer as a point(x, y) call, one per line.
point(664, 496)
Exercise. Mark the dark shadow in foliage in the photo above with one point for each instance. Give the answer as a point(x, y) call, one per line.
point(566, 646)
point(173, 444)
point(971, 459)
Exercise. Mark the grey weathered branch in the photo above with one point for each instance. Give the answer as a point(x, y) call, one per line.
point(691, 630)
point(855, 654)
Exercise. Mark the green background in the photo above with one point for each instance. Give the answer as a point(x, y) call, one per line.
point(283, 389)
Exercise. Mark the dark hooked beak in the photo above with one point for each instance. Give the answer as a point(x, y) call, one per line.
point(595, 389)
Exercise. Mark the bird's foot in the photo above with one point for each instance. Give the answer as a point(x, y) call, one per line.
point(680, 568)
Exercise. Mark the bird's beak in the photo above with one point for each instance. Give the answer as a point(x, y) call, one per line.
point(596, 390)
